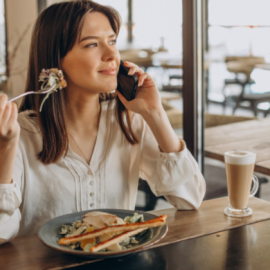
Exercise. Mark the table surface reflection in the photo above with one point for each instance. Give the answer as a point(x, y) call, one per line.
point(246, 247)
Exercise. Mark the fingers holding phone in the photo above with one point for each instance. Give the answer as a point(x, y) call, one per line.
point(139, 72)
point(145, 95)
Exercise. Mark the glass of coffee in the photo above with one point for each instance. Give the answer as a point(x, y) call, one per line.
point(239, 172)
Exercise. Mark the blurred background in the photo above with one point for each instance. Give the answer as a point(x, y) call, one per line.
point(236, 53)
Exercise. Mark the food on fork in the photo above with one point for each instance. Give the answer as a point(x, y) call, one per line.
point(101, 231)
point(51, 77)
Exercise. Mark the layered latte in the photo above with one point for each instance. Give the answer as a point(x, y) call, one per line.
point(239, 171)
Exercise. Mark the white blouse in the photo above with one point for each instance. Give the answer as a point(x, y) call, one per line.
point(41, 192)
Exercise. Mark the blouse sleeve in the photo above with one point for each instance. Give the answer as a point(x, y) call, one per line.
point(10, 200)
point(173, 175)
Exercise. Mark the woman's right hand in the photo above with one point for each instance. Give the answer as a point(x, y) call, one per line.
point(9, 126)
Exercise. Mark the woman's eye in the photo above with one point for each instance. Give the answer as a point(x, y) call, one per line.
point(91, 45)
point(113, 42)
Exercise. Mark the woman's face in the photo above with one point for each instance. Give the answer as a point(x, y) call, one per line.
point(93, 62)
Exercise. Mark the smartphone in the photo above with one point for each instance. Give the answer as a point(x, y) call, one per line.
point(126, 84)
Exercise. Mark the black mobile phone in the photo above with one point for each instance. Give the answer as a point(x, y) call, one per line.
point(126, 84)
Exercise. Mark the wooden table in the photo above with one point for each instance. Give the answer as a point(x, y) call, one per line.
point(207, 227)
point(250, 135)
point(243, 248)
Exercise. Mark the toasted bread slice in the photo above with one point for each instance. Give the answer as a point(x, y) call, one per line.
point(115, 240)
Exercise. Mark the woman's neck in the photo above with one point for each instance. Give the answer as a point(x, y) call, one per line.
point(82, 112)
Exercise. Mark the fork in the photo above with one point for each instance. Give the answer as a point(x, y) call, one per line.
point(32, 92)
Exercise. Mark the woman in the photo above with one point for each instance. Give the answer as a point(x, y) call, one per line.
point(88, 147)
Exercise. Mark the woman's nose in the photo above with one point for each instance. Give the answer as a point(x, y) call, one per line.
point(110, 53)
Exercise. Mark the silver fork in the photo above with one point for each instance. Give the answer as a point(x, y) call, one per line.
point(32, 92)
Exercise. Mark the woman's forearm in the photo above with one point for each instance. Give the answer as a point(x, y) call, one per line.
point(160, 125)
point(7, 158)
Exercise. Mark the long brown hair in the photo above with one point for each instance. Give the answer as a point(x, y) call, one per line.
point(55, 32)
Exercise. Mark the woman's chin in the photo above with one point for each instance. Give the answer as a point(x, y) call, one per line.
point(107, 92)
point(109, 88)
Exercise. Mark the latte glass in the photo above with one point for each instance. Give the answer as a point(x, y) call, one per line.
point(239, 173)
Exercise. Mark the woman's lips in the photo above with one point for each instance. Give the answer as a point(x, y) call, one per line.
point(108, 71)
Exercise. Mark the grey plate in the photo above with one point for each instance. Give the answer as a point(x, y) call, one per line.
point(49, 235)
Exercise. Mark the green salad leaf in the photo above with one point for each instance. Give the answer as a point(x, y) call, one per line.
point(135, 218)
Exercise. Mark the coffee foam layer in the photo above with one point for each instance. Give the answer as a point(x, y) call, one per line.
point(240, 157)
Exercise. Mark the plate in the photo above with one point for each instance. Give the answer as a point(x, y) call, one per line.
point(49, 236)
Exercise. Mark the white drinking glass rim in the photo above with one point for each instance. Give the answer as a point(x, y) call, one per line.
point(250, 154)
point(248, 158)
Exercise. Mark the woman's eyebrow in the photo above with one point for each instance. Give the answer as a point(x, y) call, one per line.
point(95, 37)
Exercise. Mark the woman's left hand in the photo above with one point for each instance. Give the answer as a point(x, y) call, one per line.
point(147, 99)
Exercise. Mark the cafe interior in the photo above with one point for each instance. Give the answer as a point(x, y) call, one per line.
point(212, 70)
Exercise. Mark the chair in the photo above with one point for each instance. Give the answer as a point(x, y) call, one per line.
point(239, 65)
point(173, 87)
point(257, 93)
point(150, 197)
point(253, 100)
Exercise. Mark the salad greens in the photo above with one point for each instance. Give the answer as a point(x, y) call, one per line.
point(76, 228)
point(133, 219)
